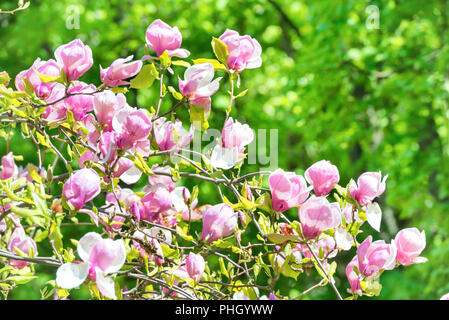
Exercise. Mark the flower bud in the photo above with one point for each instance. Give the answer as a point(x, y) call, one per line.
point(288, 190)
point(375, 256)
point(195, 266)
point(218, 221)
point(82, 186)
point(369, 185)
point(323, 176)
point(410, 243)
point(160, 37)
point(75, 59)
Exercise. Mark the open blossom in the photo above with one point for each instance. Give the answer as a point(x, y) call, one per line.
point(160, 37)
point(353, 278)
point(410, 243)
point(169, 135)
point(244, 51)
point(229, 151)
point(195, 266)
point(323, 175)
point(156, 201)
point(375, 256)
point(22, 242)
point(105, 105)
point(43, 90)
point(288, 190)
point(133, 128)
point(317, 215)
point(219, 221)
point(100, 257)
point(369, 186)
point(82, 186)
point(198, 85)
point(75, 59)
point(236, 135)
point(8, 168)
point(119, 70)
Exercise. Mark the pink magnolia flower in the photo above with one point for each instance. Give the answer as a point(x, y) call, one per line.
point(160, 37)
point(236, 135)
point(410, 243)
point(244, 51)
point(218, 221)
point(195, 266)
point(133, 128)
point(100, 258)
point(169, 135)
point(317, 215)
point(288, 190)
point(119, 70)
point(82, 186)
point(156, 201)
point(75, 57)
point(198, 85)
point(353, 278)
point(375, 256)
point(42, 89)
point(22, 242)
point(230, 150)
point(369, 185)
point(105, 105)
point(8, 168)
point(323, 175)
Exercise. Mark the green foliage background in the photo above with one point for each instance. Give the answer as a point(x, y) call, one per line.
point(365, 99)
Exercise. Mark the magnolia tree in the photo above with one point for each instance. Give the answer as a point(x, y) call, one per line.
point(146, 238)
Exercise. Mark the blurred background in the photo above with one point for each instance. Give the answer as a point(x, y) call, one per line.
point(339, 84)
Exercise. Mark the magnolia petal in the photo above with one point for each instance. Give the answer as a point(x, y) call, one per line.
point(106, 285)
point(180, 53)
point(131, 176)
point(86, 243)
point(71, 275)
point(224, 158)
point(91, 214)
point(120, 258)
point(374, 215)
point(343, 239)
point(419, 260)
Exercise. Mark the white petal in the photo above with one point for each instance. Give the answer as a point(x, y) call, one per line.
point(180, 53)
point(106, 285)
point(209, 89)
point(343, 239)
point(120, 258)
point(86, 244)
point(419, 260)
point(71, 275)
point(224, 158)
point(374, 215)
point(131, 176)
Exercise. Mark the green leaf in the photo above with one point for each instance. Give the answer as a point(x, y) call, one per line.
point(280, 238)
point(174, 93)
point(220, 50)
point(180, 63)
point(198, 118)
point(144, 79)
point(217, 65)
point(165, 59)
